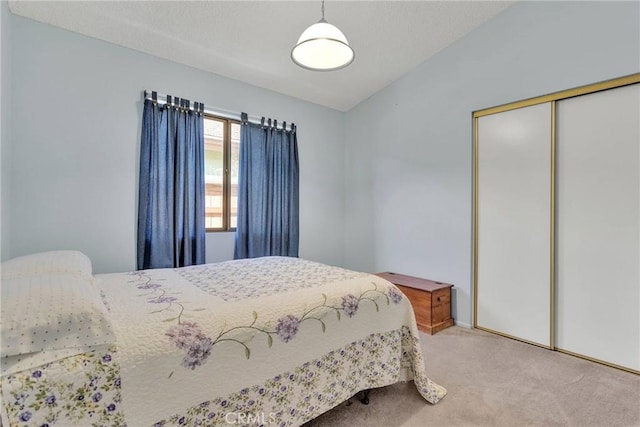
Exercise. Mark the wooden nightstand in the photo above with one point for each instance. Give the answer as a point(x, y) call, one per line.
point(431, 300)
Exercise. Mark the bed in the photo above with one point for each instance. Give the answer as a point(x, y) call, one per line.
point(266, 341)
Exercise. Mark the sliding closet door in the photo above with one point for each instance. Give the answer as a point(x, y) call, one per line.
point(513, 223)
point(598, 232)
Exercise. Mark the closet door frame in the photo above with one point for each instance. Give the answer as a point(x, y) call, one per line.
point(549, 98)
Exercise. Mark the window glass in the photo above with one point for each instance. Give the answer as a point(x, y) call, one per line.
point(221, 152)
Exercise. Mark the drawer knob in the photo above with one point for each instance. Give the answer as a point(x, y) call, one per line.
point(438, 298)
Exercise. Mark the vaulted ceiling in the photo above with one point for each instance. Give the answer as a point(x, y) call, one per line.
point(251, 41)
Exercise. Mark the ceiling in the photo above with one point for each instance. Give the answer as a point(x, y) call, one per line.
point(251, 41)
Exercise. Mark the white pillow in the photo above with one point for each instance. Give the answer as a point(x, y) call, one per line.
point(47, 262)
point(52, 312)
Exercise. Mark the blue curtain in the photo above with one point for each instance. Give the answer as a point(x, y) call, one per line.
point(268, 212)
point(171, 230)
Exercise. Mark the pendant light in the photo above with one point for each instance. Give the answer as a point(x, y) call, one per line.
point(322, 47)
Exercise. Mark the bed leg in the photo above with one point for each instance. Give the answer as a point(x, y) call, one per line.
point(365, 397)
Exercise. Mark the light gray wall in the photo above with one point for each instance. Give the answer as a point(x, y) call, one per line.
point(5, 129)
point(408, 154)
point(75, 145)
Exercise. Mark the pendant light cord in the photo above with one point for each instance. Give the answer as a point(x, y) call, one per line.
point(322, 8)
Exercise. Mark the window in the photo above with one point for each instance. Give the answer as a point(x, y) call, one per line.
point(221, 153)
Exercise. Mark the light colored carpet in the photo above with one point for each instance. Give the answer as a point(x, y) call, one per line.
point(496, 381)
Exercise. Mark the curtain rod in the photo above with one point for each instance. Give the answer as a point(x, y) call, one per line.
point(225, 114)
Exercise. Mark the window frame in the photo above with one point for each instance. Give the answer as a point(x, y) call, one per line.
point(226, 177)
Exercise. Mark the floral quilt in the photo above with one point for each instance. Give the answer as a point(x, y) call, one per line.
point(271, 341)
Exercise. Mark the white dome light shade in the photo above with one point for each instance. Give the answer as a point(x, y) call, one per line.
point(322, 47)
